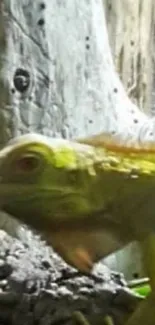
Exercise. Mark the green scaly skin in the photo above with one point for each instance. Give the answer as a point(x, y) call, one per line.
point(87, 201)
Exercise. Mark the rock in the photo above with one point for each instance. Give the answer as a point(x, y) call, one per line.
point(38, 287)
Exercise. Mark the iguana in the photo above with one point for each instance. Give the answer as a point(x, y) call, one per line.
point(87, 198)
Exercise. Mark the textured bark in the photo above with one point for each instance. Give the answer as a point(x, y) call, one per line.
point(60, 75)
point(131, 33)
point(58, 78)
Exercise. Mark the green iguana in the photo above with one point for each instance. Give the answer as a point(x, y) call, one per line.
point(87, 200)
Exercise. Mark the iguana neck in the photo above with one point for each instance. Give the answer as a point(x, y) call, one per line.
point(126, 190)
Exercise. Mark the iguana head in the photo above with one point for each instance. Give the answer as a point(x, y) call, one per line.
point(49, 185)
point(40, 177)
point(79, 196)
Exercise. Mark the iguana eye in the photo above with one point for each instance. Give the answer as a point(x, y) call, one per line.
point(27, 163)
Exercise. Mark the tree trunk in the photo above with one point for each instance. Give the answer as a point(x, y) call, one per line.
point(62, 81)
point(131, 32)
point(58, 78)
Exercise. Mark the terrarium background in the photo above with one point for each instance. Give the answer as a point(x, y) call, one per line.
point(37, 96)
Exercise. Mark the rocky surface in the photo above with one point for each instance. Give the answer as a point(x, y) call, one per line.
point(37, 287)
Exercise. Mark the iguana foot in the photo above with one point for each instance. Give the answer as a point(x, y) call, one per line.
point(80, 319)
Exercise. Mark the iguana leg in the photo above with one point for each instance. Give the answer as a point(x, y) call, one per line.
point(145, 314)
point(80, 319)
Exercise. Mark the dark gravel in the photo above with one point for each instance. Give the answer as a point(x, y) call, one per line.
point(37, 287)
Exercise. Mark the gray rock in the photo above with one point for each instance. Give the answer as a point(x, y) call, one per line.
point(36, 286)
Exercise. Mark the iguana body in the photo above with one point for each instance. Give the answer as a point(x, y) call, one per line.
point(88, 201)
